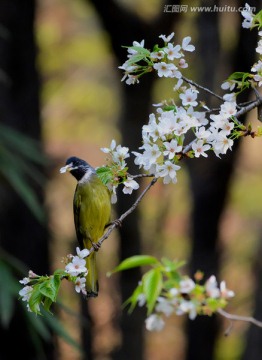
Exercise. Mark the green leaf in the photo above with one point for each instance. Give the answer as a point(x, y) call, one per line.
point(9, 287)
point(50, 287)
point(135, 59)
point(172, 265)
point(20, 157)
point(47, 303)
point(257, 20)
point(152, 283)
point(61, 273)
point(35, 300)
point(23, 144)
point(238, 75)
point(104, 173)
point(141, 50)
point(132, 301)
point(16, 177)
point(135, 261)
point(170, 107)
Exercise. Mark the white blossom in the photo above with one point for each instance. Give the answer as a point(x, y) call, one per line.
point(189, 97)
point(248, 17)
point(167, 38)
point(186, 286)
point(186, 46)
point(178, 84)
point(164, 306)
point(154, 323)
point(157, 55)
point(259, 47)
point(212, 287)
point(82, 253)
point(200, 148)
point(136, 44)
point(80, 285)
point(130, 185)
point(182, 63)
point(228, 85)
point(173, 52)
point(76, 266)
point(228, 108)
point(110, 149)
point(222, 144)
point(164, 69)
point(24, 281)
point(187, 307)
point(230, 97)
point(202, 133)
point(167, 171)
point(172, 148)
point(258, 78)
point(225, 293)
point(26, 293)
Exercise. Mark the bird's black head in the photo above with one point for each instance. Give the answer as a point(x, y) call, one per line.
point(77, 167)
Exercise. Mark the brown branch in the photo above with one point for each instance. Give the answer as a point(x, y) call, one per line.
point(191, 82)
point(232, 317)
point(140, 175)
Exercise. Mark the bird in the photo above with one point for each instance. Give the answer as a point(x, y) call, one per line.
point(92, 212)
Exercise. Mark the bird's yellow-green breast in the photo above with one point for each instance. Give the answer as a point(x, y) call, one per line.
point(92, 209)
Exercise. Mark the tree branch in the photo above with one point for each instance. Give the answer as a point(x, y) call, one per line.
point(232, 317)
point(191, 82)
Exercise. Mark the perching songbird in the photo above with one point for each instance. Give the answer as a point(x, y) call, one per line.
point(92, 210)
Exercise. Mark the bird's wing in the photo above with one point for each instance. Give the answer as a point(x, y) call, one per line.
point(92, 208)
point(77, 209)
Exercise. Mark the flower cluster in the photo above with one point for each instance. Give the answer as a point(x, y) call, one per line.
point(166, 60)
point(165, 291)
point(239, 81)
point(165, 141)
point(77, 270)
point(165, 137)
point(115, 172)
point(43, 290)
point(27, 290)
point(190, 298)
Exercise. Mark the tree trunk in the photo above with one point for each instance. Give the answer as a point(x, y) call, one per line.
point(210, 178)
point(20, 232)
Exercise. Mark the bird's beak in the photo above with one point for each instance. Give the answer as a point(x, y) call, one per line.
point(67, 168)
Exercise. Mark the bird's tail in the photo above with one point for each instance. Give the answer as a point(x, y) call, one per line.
point(92, 276)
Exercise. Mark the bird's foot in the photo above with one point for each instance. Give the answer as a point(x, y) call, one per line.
point(117, 223)
point(96, 246)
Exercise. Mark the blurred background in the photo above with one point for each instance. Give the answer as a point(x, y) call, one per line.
point(61, 95)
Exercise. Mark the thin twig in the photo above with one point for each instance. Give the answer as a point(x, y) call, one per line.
point(202, 88)
point(249, 107)
point(137, 176)
point(118, 222)
point(232, 317)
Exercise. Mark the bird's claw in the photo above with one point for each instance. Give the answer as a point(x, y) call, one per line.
point(117, 223)
point(96, 246)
